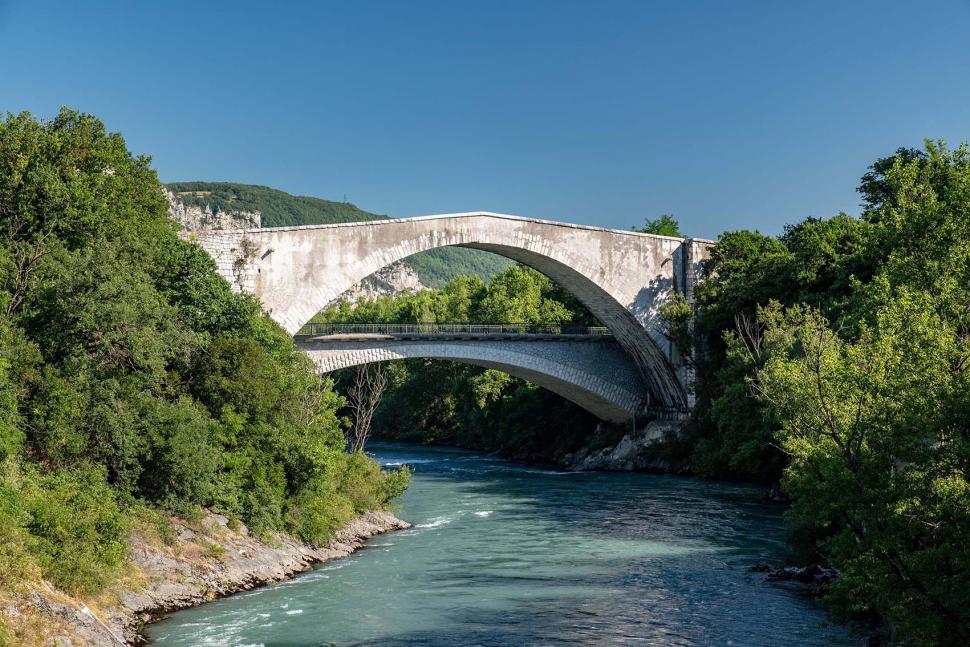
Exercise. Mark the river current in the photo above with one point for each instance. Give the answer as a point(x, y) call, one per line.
point(504, 554)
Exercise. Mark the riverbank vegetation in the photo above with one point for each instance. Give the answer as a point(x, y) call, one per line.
point(836, 357)
point(834, 360)
point(133, 381)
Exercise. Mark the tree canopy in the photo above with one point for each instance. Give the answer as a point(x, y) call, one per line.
point(665, 225)
point(839, 361)
point(131, 375)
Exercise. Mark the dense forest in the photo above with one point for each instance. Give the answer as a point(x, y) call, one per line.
point(133, 382)
point(834, 359)
point(280, 209)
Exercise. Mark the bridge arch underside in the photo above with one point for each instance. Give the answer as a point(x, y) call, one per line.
point(597, 376)
point(621, 278)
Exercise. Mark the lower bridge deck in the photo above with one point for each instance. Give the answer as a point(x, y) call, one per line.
point(592, 370)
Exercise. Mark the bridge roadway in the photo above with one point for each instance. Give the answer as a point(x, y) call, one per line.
point(583, 364)
point(525, 331)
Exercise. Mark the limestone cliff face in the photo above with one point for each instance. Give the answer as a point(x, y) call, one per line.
point(192, 218)
point(393, 279)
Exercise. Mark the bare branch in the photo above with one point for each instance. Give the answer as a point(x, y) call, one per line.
point(364, 396)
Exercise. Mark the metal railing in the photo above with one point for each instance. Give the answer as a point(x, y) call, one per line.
point(322, 329)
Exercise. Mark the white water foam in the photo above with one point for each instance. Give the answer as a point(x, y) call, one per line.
point(416, 461)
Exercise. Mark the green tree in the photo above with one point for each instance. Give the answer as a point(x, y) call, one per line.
point(665, 225)
point(130, 373)
point(860, 373)
point(876, 433)
point(521, 295)
point(11, 354)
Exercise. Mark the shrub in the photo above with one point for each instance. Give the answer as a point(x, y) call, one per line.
point(15, 562)
point(362, 483)
point(316, 514)
point(78, 532)
point(184, 457)
point(395, 483)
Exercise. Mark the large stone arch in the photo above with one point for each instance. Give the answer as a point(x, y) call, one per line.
point(622, 277)
point(597, 374)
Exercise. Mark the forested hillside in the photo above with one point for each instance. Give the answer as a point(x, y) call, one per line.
point(133, 382)
point(280, 209)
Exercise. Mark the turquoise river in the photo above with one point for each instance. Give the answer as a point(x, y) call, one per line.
point(504, 554)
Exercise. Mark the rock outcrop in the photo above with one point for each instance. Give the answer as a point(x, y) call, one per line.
point(636, 451)
point(814, 578)
point(193, 219)
point(394, 279)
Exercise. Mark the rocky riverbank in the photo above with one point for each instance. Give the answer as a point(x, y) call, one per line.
point(192, 562)
point(814, 579)
point(636, 451)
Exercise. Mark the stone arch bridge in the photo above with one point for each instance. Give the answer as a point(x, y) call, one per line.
point(622, 277)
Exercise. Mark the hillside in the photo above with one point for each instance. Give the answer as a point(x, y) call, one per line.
point(280, 209)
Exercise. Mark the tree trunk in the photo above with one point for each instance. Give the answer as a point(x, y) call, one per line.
point(364, 395)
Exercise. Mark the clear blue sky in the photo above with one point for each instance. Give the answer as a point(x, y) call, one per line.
point(727, 114)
